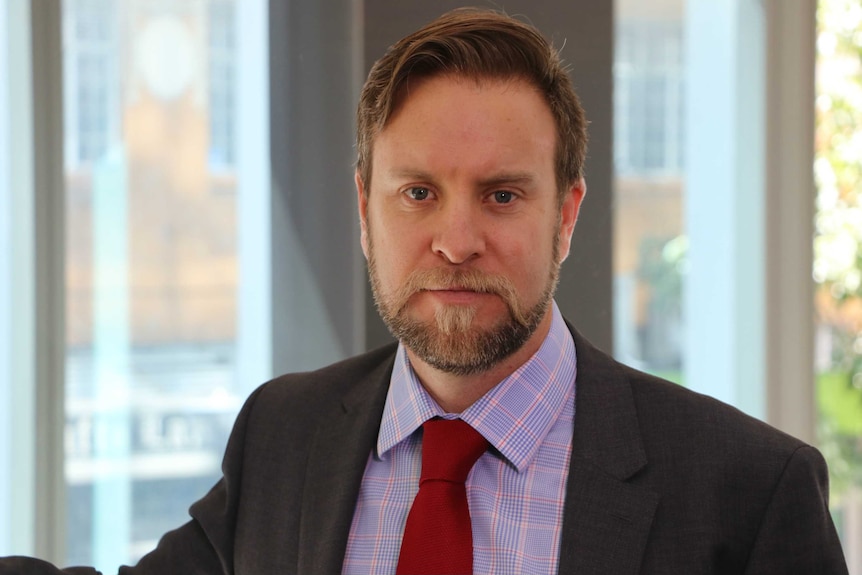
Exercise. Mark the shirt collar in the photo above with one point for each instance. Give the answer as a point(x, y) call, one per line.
point(514, 416)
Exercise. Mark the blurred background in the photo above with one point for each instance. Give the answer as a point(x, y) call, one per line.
point(178, 226)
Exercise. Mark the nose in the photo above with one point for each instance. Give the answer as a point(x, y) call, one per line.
point(459, 236)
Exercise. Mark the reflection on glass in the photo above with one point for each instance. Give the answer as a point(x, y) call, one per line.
point(838, 262)
point(649, 246)
point(151, 264)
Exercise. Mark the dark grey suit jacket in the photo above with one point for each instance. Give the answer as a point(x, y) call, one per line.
point(662, 481)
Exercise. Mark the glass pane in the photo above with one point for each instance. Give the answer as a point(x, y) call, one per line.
point(152, 282)
point(687, 108)
point(838, 262)
point(649, 244)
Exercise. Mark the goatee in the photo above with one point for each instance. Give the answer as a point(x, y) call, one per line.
point(451, 342)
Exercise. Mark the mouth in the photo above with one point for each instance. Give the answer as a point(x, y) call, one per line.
point(457, 288)
point(455, 295)
point(451, 288)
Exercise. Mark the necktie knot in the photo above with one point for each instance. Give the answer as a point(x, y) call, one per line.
point(450, 448)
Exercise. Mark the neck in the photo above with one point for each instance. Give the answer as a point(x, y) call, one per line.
point(455, 393)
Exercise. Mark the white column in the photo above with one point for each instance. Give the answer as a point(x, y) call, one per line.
point(254, 334)
point(6, 430)
point(17, 388)
point(725, 202)
point(112, 485)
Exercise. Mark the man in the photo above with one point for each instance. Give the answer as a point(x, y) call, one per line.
point(471, 146)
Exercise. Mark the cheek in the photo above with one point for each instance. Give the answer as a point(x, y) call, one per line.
point(530, 262)
point(522, 262)
point(393, 255)
point(404, 242)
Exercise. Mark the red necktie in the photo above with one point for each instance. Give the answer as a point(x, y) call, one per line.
point(438, 538)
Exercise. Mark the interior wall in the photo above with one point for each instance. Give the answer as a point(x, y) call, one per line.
point(317, 276)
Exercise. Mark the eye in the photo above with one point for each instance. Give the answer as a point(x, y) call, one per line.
point(418, 193)
point(503, 197)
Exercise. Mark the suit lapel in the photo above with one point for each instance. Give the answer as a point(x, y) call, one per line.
point(606, 520)
point(337, 460)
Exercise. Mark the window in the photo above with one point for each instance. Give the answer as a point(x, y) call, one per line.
point(650, 245)
point(686, 236)
point(691, 108)
point(648, 105)
point(152, 386)
point(130, 256)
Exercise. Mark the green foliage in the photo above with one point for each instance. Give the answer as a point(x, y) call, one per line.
point(662, 267)
point(838, 162)
point(838, 240)
point(840, 403)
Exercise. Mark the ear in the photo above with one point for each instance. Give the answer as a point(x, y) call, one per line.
point(362, 202)
point(569, 216)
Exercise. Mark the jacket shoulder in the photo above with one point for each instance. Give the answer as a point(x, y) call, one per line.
point(332, 381)
point(673, 412)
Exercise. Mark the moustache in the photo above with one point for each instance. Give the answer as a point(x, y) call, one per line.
point(462, 279)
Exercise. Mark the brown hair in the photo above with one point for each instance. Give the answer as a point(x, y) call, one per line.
point(477, 44)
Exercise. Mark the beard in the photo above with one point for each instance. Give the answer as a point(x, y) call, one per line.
point(451, 342)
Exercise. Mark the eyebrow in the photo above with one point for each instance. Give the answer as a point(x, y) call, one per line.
point(503, 178)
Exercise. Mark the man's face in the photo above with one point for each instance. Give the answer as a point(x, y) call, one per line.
point(462, 227)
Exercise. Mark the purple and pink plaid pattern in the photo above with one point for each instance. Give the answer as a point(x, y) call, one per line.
point(516, 490)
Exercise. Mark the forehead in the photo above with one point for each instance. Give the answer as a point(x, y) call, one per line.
point(421, 87)
point(457, 119)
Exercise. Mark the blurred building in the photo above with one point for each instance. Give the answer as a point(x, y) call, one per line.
point(150, 92)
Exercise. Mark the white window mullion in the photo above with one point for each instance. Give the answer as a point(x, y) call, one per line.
point(254, 334)
point(31, 270)
point(724, 202)
point(17, 392)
